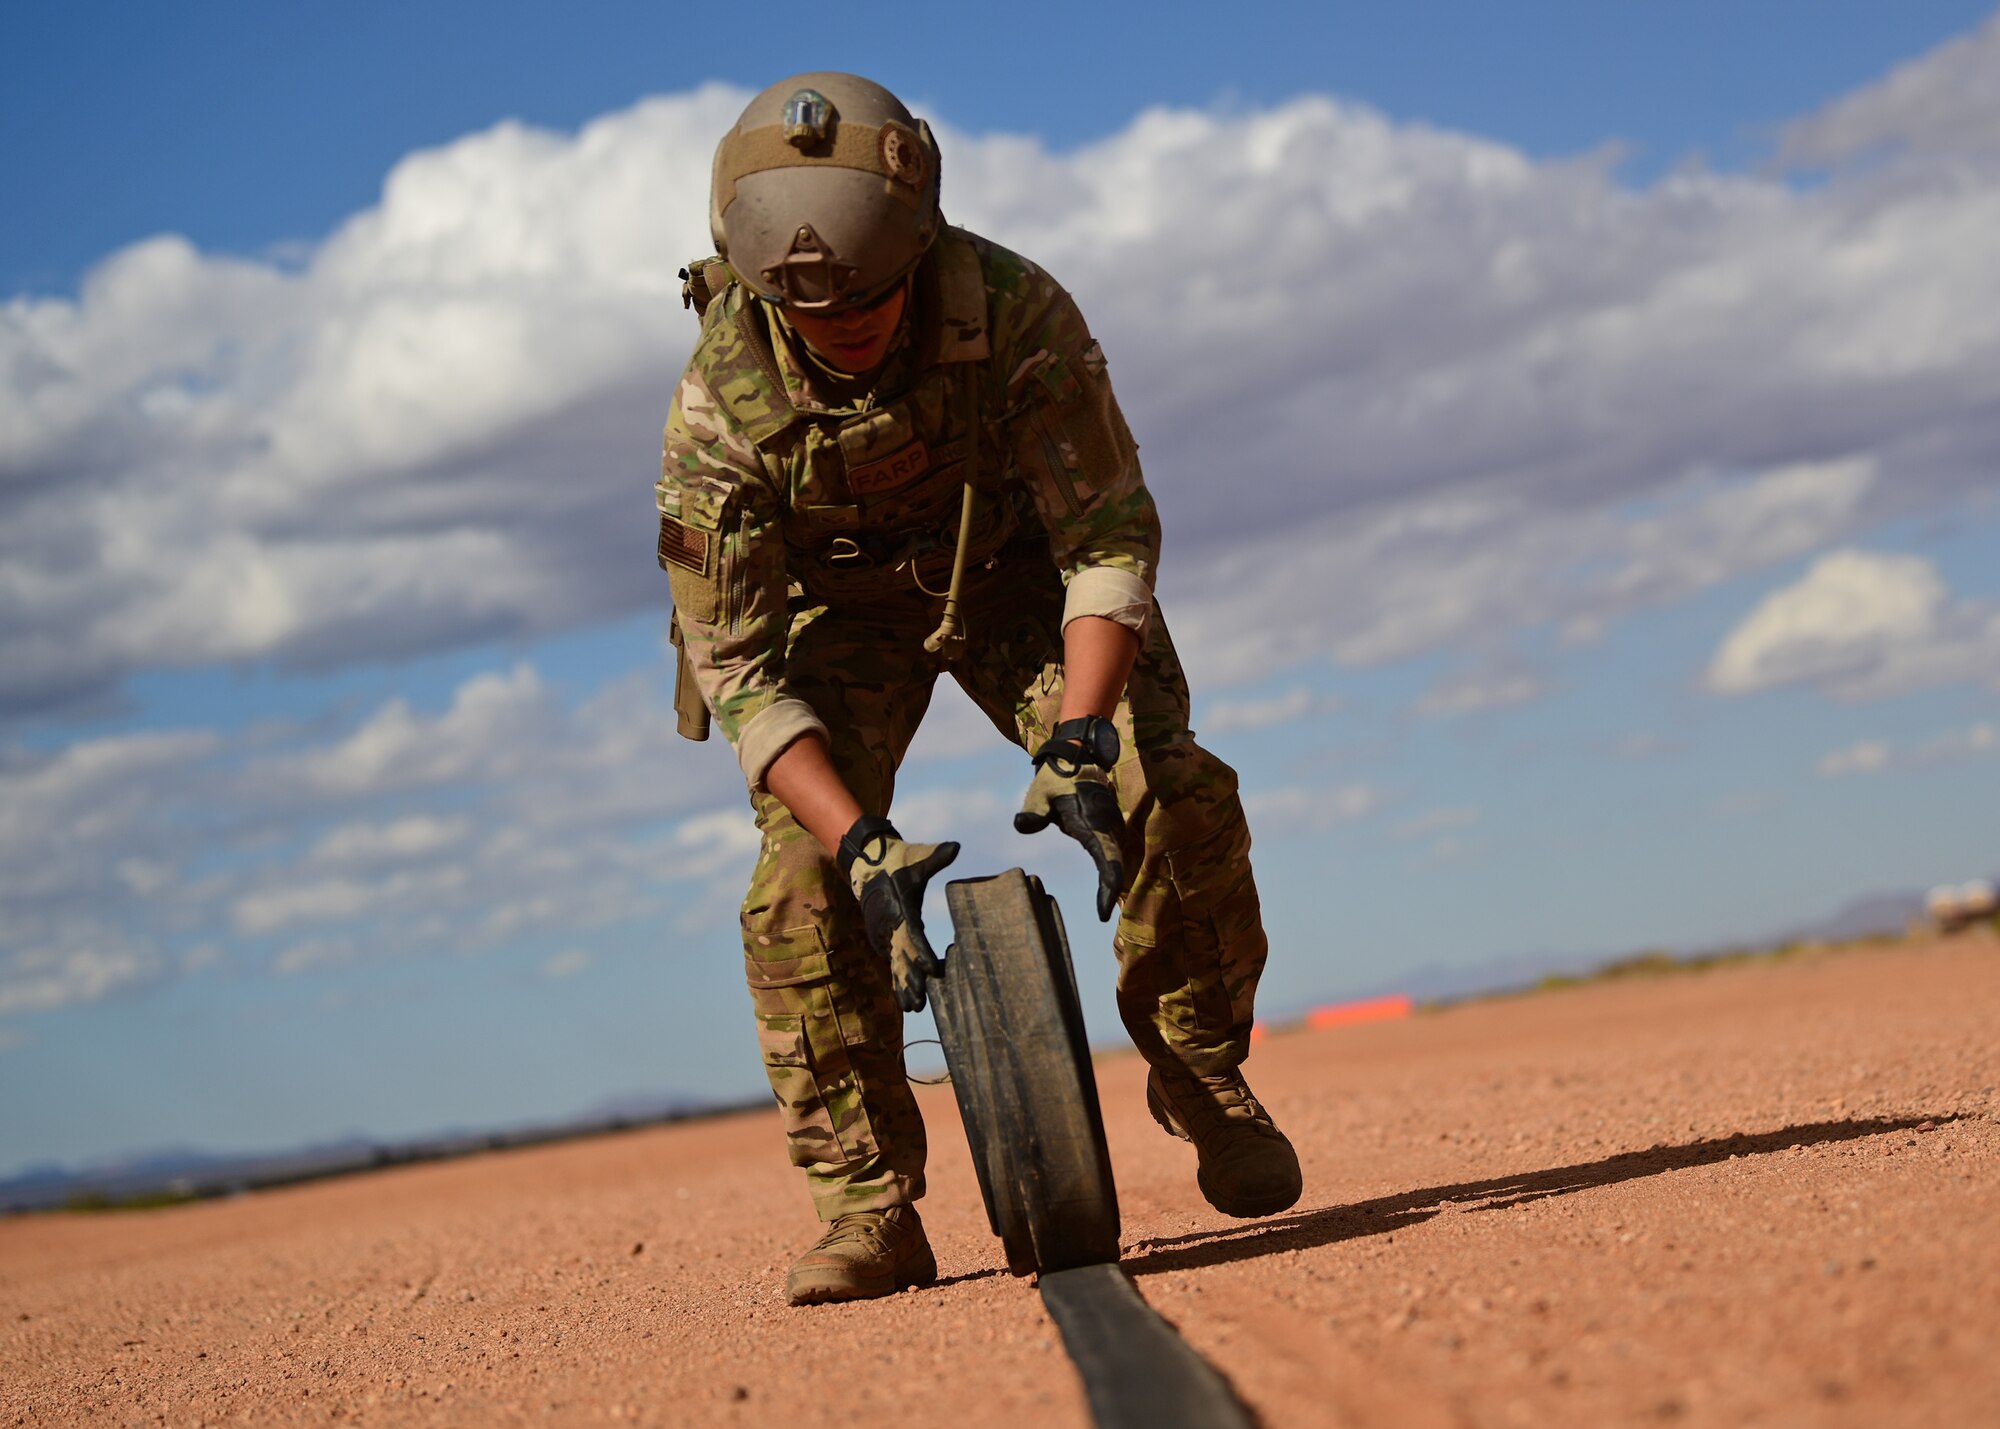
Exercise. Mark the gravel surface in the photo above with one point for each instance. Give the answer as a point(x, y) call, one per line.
point(1764, 1194)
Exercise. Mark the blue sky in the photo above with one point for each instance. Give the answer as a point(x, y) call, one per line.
point(245, 125)
point(1581, 515)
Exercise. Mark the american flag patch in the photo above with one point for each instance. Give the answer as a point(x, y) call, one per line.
point(682, 545)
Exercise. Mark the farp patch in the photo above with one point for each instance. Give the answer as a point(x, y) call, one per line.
point(892, 472)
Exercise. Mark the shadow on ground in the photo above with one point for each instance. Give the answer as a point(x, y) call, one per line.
point(1304, 1230)
point(987, 1274)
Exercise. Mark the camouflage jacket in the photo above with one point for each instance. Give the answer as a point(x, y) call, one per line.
point(771, 497)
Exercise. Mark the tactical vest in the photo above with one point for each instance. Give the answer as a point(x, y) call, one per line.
point(871, 496)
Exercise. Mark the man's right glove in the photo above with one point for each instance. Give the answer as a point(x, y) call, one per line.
point(888, 877)
point(1070, 791)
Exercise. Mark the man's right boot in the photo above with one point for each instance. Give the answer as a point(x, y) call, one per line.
point(862, 1255)
point(1247, 1167)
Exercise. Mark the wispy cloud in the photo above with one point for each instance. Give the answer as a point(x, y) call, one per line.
point(1275, 812)
point(565, 964)
point(1864, 757)
point(1746, 803)
point(315, 953)
point(1647, 744)
point(1229, 716)
point(370, 844)
point(82, 962)
point(495, 722)
point(132, 858)
point(1437, 821)
point(1468, 694)
point(1870, 756)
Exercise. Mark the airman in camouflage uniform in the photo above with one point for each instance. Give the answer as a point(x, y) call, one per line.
point(809, 520)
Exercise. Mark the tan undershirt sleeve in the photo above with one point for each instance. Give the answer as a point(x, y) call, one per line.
point(1112, 593)
point(770, 732)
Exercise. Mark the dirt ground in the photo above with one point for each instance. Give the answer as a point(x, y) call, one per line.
point(1763, 1195)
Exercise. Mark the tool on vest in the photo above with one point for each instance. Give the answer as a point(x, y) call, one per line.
point(690, 709)
point(948, 640)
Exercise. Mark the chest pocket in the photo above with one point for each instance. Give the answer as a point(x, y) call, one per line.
point(883, 452)
point(694, 551)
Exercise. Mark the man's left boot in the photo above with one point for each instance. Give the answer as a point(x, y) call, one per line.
point(1247, 1167)
point(862, 1255)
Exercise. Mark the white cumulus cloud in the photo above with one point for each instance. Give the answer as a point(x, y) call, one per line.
point(1946, 102)
point(1399, 388)
point(1401, 391)
point(1860, 624)
point(1845, 613)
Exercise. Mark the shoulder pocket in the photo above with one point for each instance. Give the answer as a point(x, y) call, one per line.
point(1079, 438)
point(693, 547)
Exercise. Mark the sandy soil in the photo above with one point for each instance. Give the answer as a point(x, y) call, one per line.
point(1761, 1195)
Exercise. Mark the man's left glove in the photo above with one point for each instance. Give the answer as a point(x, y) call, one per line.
point(888, 876)
point(1070, 791)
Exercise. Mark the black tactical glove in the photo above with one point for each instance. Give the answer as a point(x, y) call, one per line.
point(888, 876)
point(1070, 791)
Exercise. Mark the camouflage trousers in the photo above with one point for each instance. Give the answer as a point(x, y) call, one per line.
point(1190, 938)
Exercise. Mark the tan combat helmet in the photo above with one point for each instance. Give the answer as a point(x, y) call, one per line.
point(825, 193)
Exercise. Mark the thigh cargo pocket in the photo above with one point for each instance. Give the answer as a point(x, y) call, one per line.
point(798, 1001)
point(782, 1041)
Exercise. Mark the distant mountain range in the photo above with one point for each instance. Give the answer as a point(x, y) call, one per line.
point(185, 1173)
point(176, 1173)
point(1867, 916)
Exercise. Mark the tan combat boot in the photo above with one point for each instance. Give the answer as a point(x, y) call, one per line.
point(862, 1255)
point(1247, 1167)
